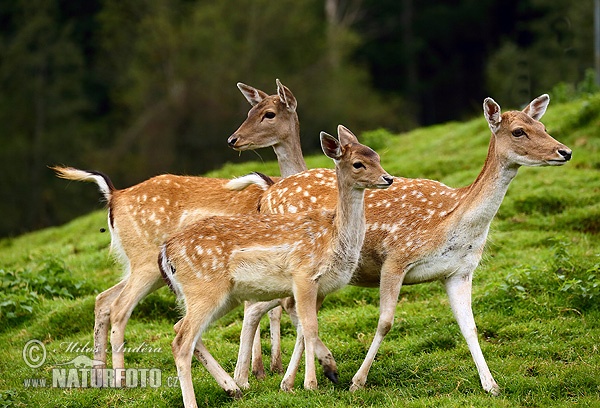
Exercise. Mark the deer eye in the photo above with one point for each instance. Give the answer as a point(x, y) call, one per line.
point(518, 132)
point(270, 115)
point(358, 165)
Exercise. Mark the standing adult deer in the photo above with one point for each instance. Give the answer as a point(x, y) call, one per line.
point(272, 121)
point(216, 263)
point(421, 230)
point(141, 217)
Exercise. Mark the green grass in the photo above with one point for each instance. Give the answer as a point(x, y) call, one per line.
point(535, 297)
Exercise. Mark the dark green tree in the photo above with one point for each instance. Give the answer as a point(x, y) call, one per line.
point(41, 106)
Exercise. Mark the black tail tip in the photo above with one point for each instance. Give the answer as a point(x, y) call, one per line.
point(266, 178)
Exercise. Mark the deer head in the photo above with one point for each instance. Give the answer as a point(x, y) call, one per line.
point(271, 119)
point(521, 139)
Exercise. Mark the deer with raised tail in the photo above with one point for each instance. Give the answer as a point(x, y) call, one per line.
point(216, 263)
point(421, 230)
point(141, 217)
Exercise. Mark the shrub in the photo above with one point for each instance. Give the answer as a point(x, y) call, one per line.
point(21, 290)
point(561, 283)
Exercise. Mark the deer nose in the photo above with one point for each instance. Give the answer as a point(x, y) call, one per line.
point(232, 140)
point(388, 179)
point(566, 153)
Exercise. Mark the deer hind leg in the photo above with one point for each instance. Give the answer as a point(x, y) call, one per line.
point(458, 288)
point(188, 332)
point(102, 321)
point(205, 308)
point(101, 328)
point(141, 281)
point(390, 285)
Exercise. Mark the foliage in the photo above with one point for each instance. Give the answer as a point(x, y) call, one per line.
point(139, 88)
point(377, 139)
point(22, 289)
point(579, 282)
point(564, 283)
point(518, 70)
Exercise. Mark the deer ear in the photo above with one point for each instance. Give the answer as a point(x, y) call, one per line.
point(253, 95)
point(286, 96)
point(492, 113)
point(331, 147)
point(346, 136)
point(537, 107)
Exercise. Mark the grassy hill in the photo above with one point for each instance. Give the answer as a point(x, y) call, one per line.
point(536, 296)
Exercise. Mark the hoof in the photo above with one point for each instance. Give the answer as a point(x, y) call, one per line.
point(286, 387)
point(243, 386)
point(311, 386)
point(494, 391)
point(332, 376)
point(236, 394)
point(277, 368)
point(259, 374)
point(355, 387)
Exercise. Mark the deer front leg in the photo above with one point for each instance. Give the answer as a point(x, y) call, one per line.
point(258, 367)
point(275, 329)
point(287, 383)
point(458, 288)
point(390, 285)
point(323, 354)
point(253, 311)
point(306, 293)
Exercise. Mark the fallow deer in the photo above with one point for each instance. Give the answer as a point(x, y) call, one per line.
point(273, 122)
point(216, 263)
point(421, 230)
point(142, 216)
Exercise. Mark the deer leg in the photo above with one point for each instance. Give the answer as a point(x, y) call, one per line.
point(102, 320)
point(323, 354)
point(390, 285)
point(458, 288)
point(182, 347)
point(253, 311)
point(258, 367)
point(214, 368)
point(306, 294)
point(140, 283)
point(275, 329)
point(202, 309)
point(101, 328)
point(287, 383)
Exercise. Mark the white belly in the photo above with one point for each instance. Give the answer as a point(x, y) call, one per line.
point(458, 255)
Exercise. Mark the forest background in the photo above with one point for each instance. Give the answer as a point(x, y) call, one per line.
point(142, 87)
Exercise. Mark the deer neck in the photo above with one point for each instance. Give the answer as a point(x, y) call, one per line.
point(349, 221)
point(289, 152)
point(482, 199)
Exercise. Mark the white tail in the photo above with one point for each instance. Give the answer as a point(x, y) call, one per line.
point(421, 230)
point(218, 262)
point(141, 217)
